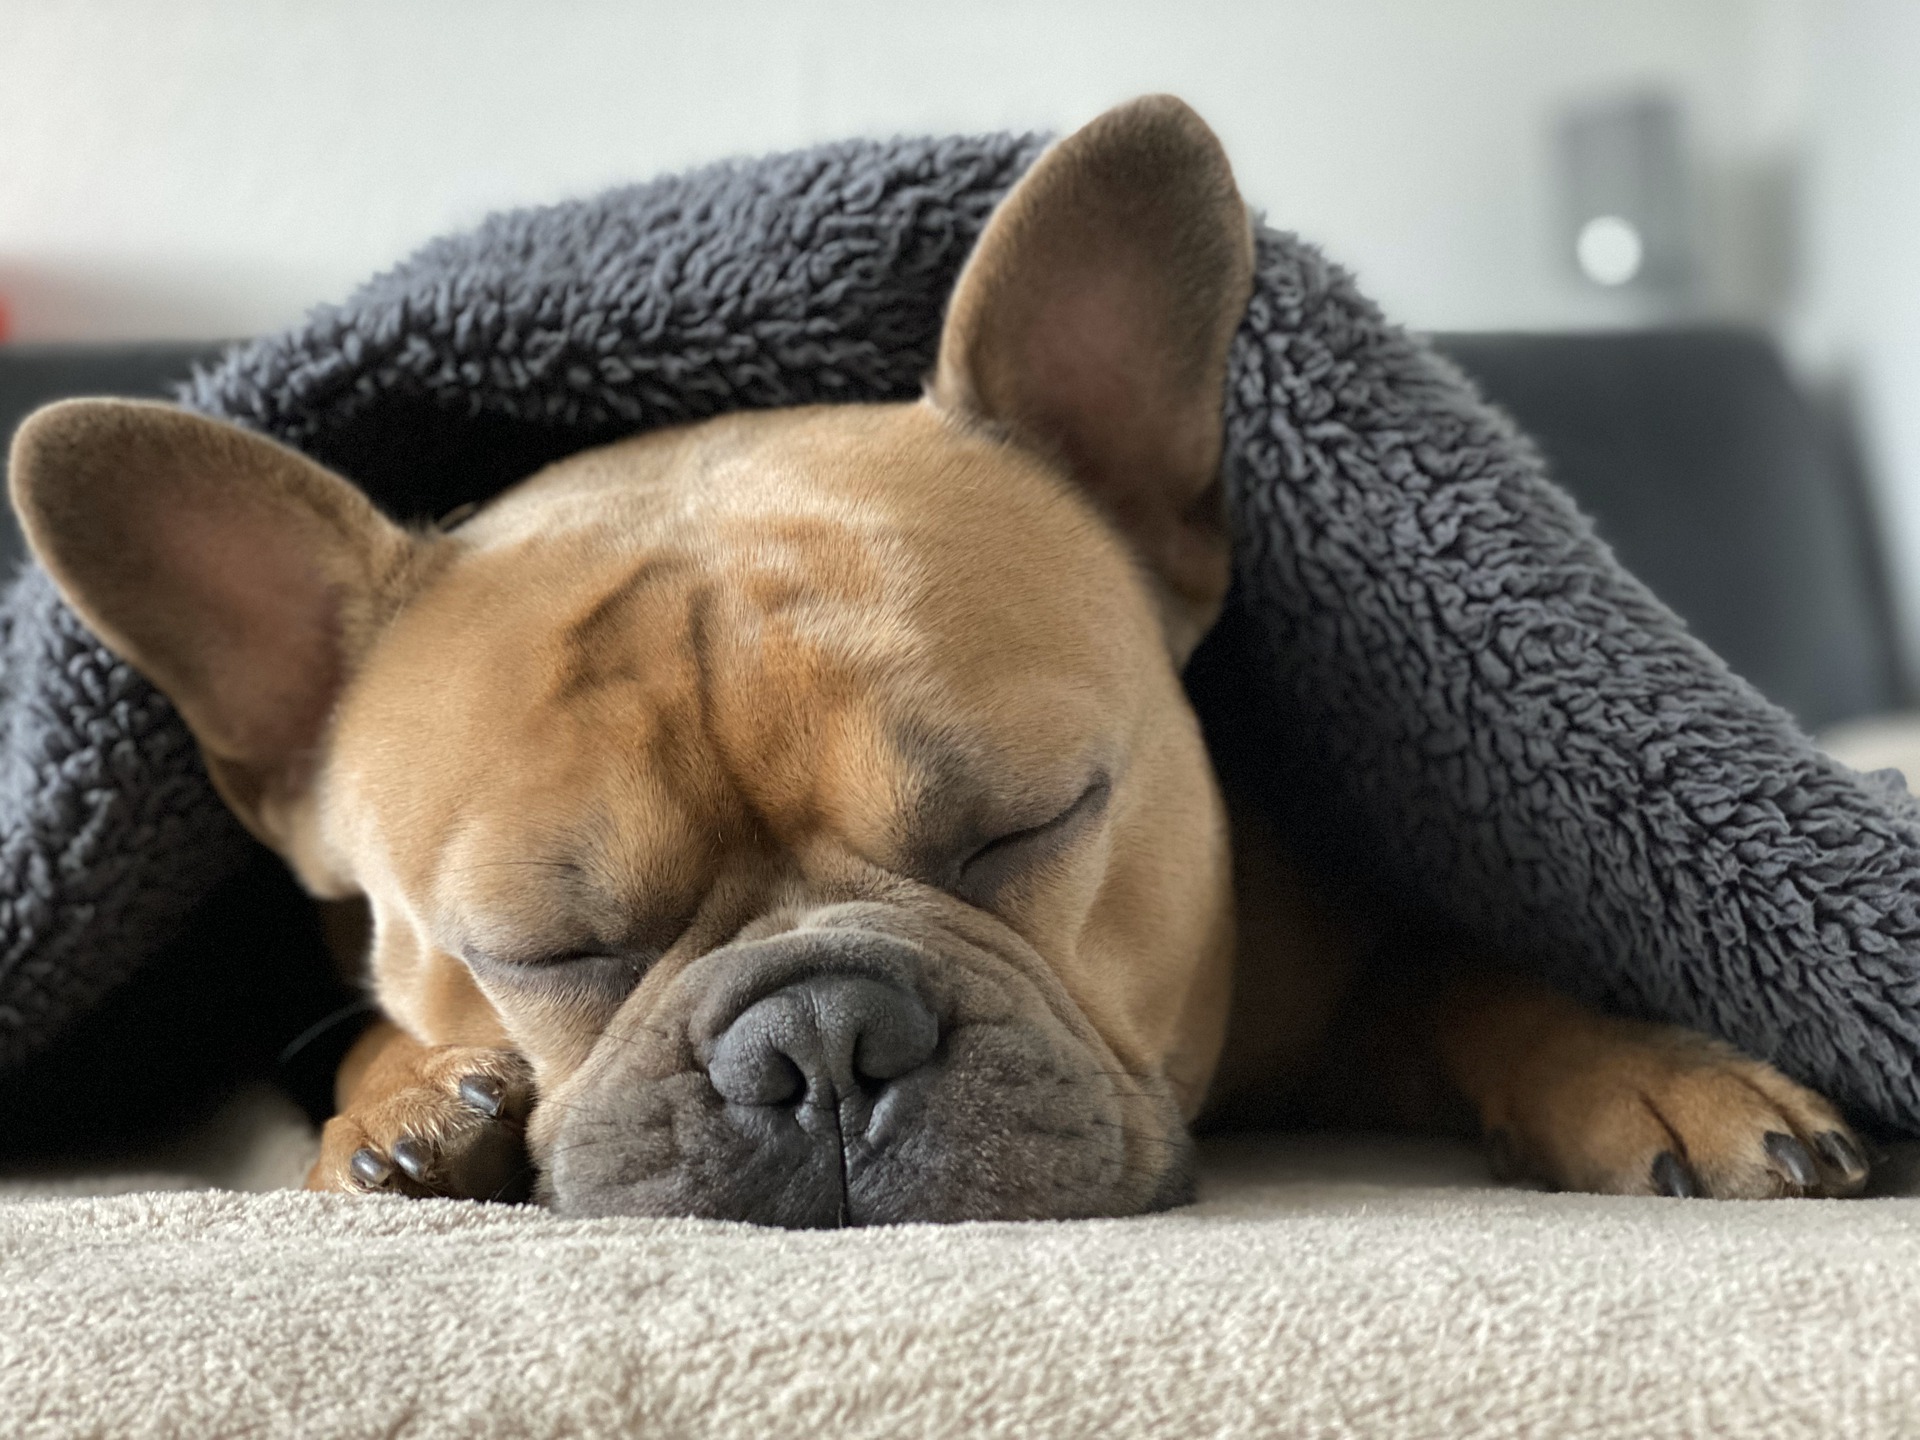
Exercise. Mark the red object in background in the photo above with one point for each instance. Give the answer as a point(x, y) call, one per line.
point(6, 322)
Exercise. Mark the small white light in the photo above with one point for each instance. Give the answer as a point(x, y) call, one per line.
point(1610, 250)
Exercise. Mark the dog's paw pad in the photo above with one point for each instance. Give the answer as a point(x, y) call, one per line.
point(460, 1132)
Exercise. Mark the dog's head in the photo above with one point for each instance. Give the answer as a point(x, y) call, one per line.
point(809, 795)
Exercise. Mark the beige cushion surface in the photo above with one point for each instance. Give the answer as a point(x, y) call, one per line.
point(1321, 1287)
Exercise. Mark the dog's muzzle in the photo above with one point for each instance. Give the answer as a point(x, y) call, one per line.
point(825, 1078)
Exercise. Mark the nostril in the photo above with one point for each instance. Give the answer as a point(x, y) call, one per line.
point(779, 1082)
point(825, 1038)
point(749, 1070)
point(895, 1042)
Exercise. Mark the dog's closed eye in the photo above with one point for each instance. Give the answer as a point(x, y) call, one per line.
point(986, 873)
point(601, 974)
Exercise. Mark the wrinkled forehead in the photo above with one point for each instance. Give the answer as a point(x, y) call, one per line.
point(812, 623)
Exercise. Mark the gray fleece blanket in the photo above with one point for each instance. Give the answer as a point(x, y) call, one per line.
point(1430, 667)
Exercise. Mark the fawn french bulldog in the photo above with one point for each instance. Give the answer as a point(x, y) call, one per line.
point(797, 817)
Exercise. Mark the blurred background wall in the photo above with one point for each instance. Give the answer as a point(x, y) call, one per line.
point(187, 167)
point(207, 168)
point(1854, 320)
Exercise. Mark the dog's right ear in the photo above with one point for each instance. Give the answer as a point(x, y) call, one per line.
point(1092, 324)
point(240, 577)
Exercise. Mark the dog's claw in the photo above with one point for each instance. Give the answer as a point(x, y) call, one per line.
point(414, 1157)
point(485, 1094)
point(1841, 1153)
point(370, 1168)
point(1671, 1176)
point(1792, 1159)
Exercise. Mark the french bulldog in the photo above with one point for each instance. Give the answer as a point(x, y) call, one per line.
point(797, 817)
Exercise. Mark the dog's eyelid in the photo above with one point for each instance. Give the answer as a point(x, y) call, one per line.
point(569, 957)
point(1090, 802)
point(546, 959)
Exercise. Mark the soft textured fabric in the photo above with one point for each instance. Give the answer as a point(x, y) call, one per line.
point(1325, 1288)
point(1434, 664)
point(109, 831)
point(1718, 480)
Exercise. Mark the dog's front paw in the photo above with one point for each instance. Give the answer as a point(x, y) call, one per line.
point(459, 1131)
point(1657, 1110)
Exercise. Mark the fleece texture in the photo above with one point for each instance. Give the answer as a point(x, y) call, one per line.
point(1322, 1288)
point(1429, 659)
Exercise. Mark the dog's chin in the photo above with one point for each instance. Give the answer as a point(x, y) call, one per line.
point(1006, 1123)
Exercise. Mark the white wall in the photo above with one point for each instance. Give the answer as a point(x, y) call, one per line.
point(200, 168)
point(211, 167)
point(1860, 319)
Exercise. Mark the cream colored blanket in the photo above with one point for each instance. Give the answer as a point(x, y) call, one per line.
point(1320, 1288)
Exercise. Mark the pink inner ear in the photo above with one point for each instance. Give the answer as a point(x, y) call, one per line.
point(1081, 370)
point(1101, 383)
point(1100, 386)
point(266, 660)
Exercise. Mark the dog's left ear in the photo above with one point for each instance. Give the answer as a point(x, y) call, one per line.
point(1092, 324)
point(241, 578)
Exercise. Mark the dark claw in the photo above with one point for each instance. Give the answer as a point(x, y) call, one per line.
point(414, 1157)
point(370, 1167)
point(1671, 1176)
point(485, 1094)
point(1791, 1158)
point(1841, 1153)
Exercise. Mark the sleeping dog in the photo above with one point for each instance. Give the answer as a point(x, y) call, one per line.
point(797, 817)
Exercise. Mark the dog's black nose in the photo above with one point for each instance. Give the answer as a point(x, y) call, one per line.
point(821, 1042)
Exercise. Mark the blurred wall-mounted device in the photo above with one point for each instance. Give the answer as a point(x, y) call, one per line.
point(1627, 222)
